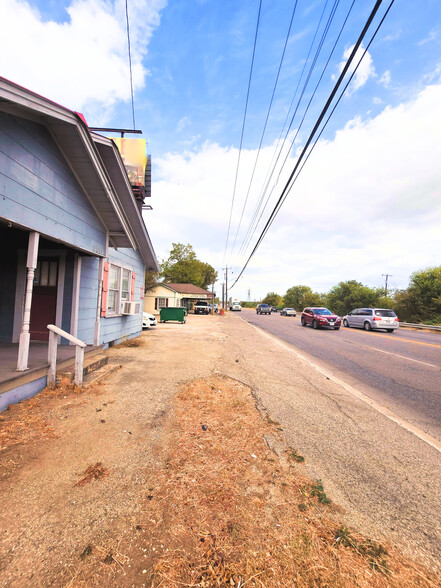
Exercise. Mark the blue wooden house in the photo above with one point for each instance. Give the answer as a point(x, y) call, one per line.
point(73, 245)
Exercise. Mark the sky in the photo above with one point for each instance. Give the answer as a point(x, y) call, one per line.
point(367, 201)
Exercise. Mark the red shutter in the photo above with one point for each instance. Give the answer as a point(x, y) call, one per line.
point(156, 304)
point(132, 291)
point(105, 289)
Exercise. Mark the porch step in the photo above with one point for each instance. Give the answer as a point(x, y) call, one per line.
point(90, 365)
point(101, 374)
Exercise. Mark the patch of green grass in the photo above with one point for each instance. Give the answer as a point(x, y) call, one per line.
point(271, 421)
point(318, 490)
point(292, 454)
point(375, 553)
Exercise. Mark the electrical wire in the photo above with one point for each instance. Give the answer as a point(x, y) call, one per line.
point(266, 122)
point(248, 240)
point(336, 104)
point(130, 65)
point(288, 184)
point(243, 128)
point(272, 167)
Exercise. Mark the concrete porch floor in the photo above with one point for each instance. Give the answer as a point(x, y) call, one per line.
point(11, 379)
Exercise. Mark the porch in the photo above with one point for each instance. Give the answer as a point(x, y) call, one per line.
point(16, 386)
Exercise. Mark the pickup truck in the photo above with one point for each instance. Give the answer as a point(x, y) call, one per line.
point(201, 307)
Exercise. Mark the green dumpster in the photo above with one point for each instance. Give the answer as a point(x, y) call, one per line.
point(173, 313)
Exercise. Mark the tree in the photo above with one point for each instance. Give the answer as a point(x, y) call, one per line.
point(421, 302)
point(346, 296)
point(273, 299)
point(150, 280)
point(298, 297)
point(183, 267)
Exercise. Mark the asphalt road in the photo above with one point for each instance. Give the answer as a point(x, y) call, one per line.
point(346, 401)
point(400, 370)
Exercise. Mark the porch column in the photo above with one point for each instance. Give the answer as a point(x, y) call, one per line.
point(25, 336)
point(75, 297)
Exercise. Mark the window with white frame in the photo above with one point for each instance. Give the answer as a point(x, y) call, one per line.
point(125, 285)
point(120, 281)
point(162, 302)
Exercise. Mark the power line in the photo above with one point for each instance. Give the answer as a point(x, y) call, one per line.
point(280, 144)
point(287, 187)
point(130, 65)
point(266, 121)
point(247, 240)
point(334, 108)
point(243, 128)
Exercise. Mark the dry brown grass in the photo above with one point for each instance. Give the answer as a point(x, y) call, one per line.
point(137, 342)
point(225, 511)
point(93, 472)
point(23, 429)
point(21, 423)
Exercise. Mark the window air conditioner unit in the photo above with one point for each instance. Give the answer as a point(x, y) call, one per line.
point(130, 308)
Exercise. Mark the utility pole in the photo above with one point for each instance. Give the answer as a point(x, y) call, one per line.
point(212, 298)
point(387, 276)
point(226, 285)
point(223, 296)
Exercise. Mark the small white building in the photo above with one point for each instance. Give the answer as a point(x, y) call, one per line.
point(165, 295)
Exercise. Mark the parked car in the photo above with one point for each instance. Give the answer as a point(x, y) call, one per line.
point(201, 307)
point(216, 309)
point(263, 309)
point(148, 320)
point(288, 312)
point(372, 318)
point(318, 317)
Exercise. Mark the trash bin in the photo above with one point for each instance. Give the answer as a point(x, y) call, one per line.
point(173, 313)
point(222, 312)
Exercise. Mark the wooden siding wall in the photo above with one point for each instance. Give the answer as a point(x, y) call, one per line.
point(67, 297)
point(88, 298)
point(116, 328)
point(38, 189)
point(112, 328)
point(8, 277)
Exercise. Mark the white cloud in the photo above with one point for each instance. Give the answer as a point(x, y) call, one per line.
point(377, 100)
point(394, 36)
point(368, 202)
point(365, 71)
point(433, 34)
point(184, 122)
point(83, 62)
point(385, 79)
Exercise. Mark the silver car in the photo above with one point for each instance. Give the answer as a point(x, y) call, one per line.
point(288, 312)
point(372, 318)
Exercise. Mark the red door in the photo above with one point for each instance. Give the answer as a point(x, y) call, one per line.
point(44, 299)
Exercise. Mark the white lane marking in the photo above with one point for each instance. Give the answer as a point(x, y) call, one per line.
point(360, 395)
point(394, 354)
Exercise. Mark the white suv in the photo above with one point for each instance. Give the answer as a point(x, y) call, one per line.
point(372, 318)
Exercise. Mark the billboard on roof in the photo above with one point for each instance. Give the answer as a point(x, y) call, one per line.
point(133, 153)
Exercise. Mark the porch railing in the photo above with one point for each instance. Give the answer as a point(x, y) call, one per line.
point(52, 354)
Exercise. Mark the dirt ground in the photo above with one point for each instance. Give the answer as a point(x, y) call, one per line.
point(115, 485)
